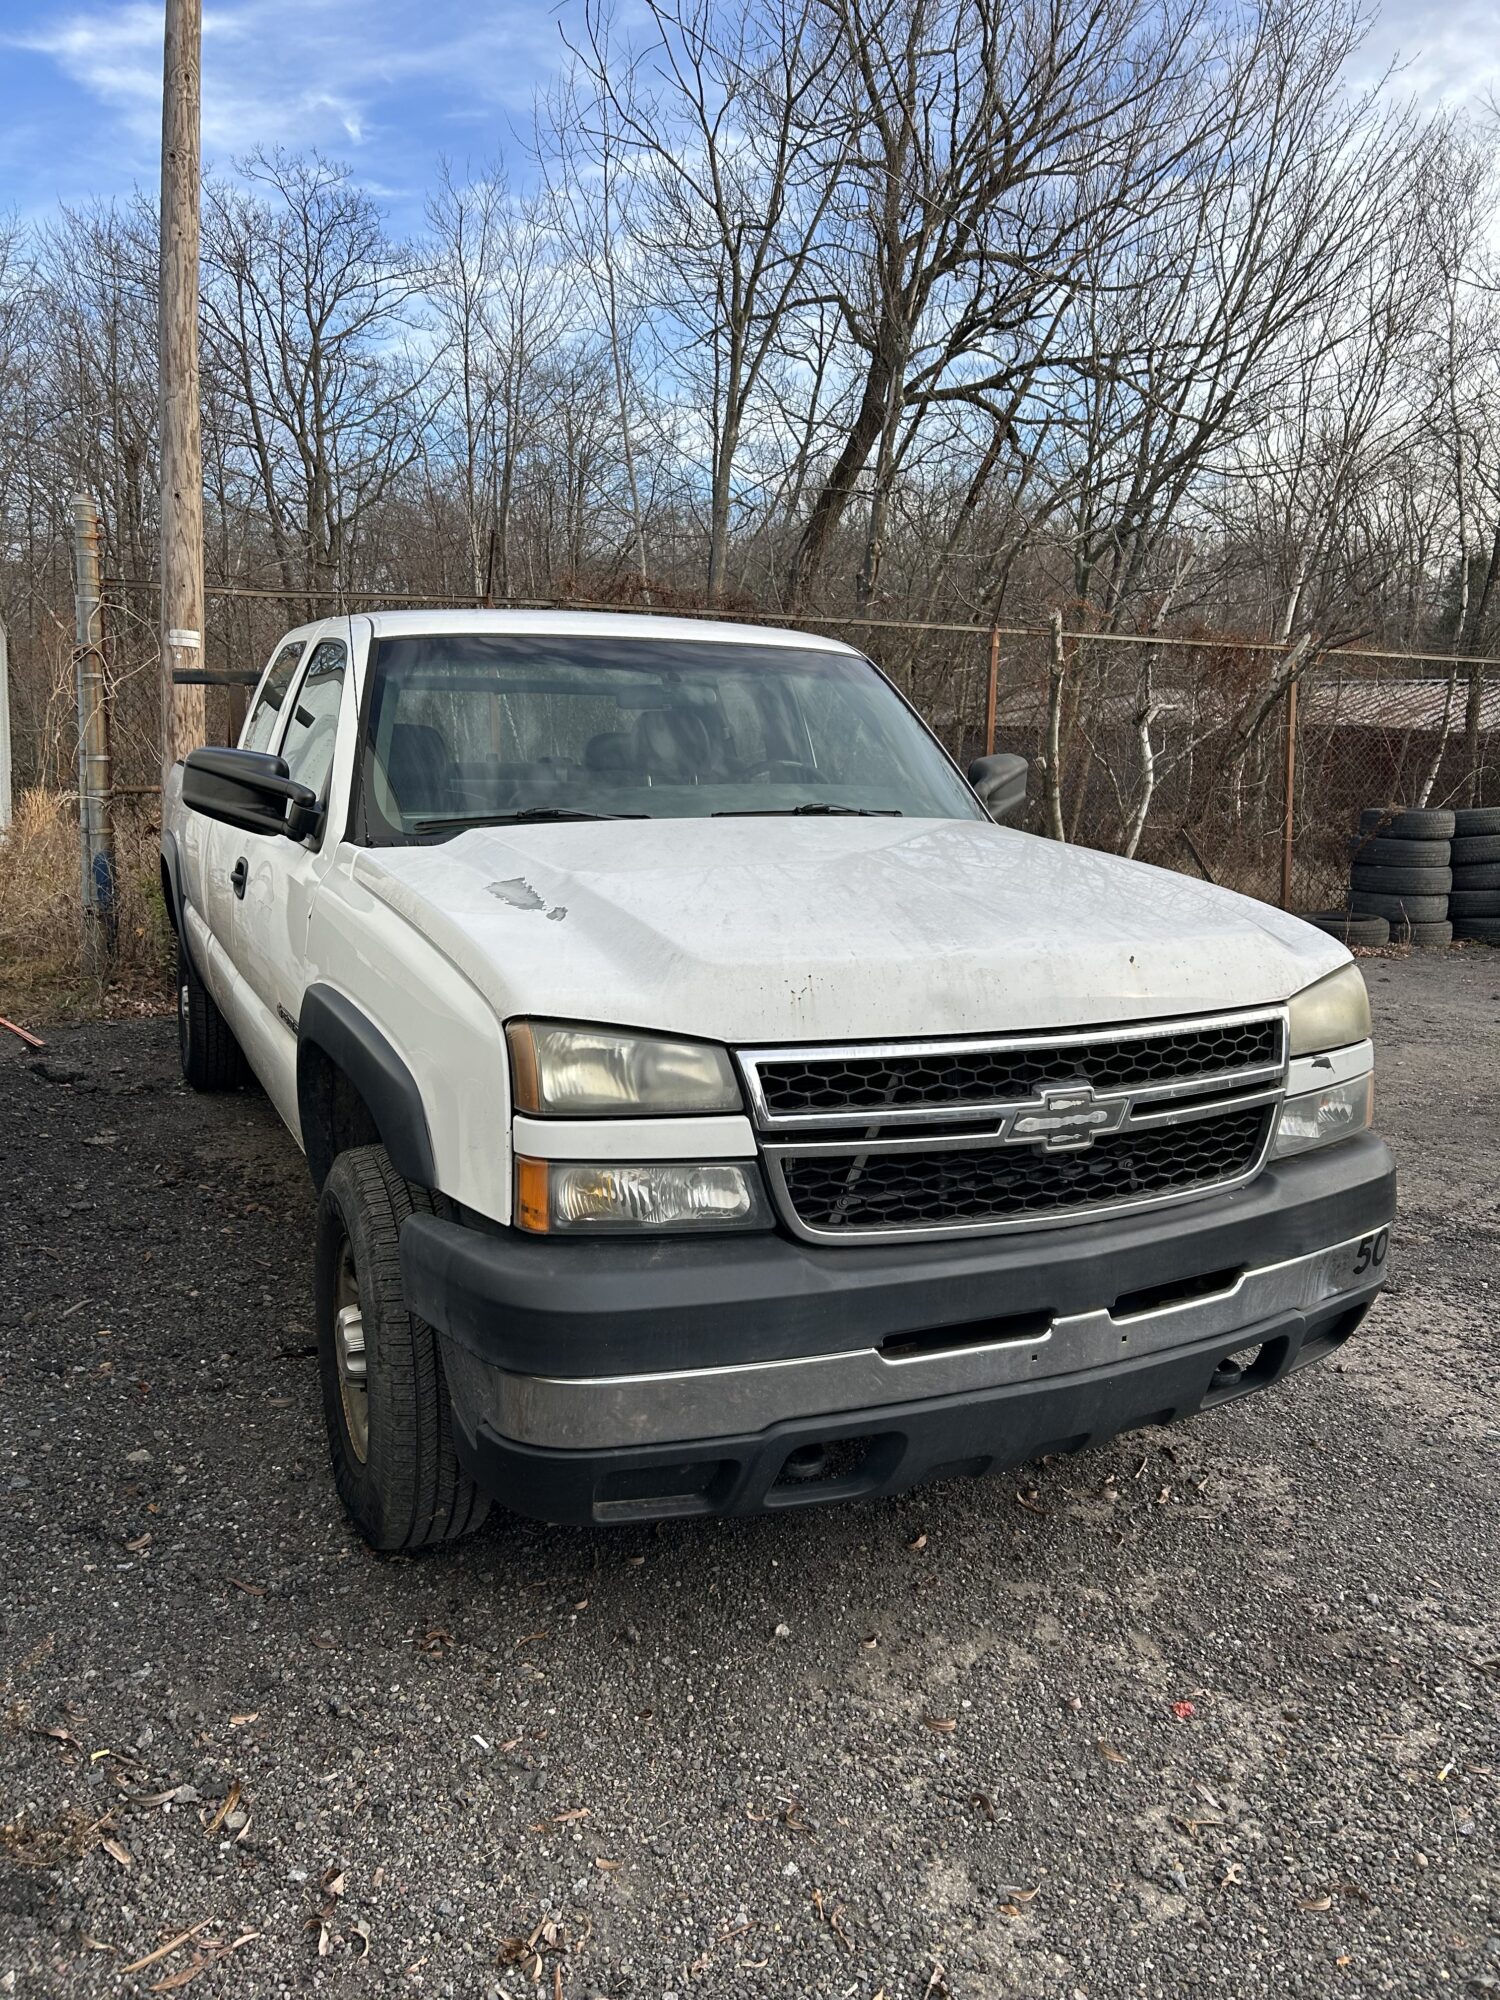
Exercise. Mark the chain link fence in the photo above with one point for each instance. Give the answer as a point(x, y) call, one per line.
point(1171, 748)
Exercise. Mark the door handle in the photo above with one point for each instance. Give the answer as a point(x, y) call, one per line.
point(239, 877)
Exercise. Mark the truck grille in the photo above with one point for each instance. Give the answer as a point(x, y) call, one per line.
point(881, 1142)
point(951, 1078)
point(946, 1188)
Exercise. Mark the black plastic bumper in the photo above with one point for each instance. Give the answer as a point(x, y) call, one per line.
point(540, 1307)
point(549, 1306)
point(819, 1460)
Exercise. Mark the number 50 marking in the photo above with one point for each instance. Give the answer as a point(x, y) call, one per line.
point(1371, 1252)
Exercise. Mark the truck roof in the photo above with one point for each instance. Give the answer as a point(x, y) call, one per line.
point(589, 625)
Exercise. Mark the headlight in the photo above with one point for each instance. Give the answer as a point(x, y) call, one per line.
point(1331, 1014)
point(1319, 1117)
point(607, 1072)
point(607, 1195)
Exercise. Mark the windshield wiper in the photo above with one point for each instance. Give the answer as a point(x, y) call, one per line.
point(526, 814)
point(792, 812)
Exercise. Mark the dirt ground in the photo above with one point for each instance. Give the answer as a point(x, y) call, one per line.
point(1210, 1712)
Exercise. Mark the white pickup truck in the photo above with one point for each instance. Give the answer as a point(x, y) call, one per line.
point(712, 1109)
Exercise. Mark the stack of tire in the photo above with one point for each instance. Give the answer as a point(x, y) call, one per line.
point(1401, 872)
point(1474, 903)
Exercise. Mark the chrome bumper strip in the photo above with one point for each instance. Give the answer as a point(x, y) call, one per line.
point(604, 1411)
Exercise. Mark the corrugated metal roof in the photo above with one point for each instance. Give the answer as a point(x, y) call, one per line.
point(1398, 705)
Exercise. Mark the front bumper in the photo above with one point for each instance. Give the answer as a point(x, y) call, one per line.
point(606, 1380)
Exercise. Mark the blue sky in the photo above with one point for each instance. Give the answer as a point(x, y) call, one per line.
point(386, 84)
point(391, 84)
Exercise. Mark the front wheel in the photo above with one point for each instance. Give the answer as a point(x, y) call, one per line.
point(385, 1399)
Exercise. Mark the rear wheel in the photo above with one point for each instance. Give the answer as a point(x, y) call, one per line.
point(209, 1054)
point(385, 1399)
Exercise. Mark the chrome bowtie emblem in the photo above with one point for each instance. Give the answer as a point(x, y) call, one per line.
point(1066, 1119)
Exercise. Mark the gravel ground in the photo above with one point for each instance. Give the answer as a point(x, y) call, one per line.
point(1208, 1712)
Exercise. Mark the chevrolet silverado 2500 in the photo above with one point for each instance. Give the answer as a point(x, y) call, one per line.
point(712, 1108)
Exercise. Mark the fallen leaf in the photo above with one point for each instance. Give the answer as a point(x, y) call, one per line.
point(600, 1862)
point(1110, 1754)
point(228, 1806)
point(919, 1543)
point(244, 1721)
point(1315, 1903)
point(118, 1851)
point(574, 1812)
point(140, 1542)
point(250, 1589)
point(1030, 1502)
point(175, 1981)
point(944, 1724)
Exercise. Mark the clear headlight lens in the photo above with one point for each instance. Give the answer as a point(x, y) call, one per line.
point(607, 1072)
point(1319, 1117)
point(1331, 1014)
point(555, 1195)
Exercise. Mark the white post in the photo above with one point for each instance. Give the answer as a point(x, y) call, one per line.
point(4, 728)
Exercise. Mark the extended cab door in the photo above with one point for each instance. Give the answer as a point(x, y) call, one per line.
point(277, 878)
point(209, 850)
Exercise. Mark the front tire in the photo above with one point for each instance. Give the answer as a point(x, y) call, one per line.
point(206, 1048)
point(385, 1399)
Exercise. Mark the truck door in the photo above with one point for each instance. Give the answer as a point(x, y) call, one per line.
point(275, 878)
point(209, 849)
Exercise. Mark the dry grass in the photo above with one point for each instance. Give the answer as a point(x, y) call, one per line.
point(42, 971)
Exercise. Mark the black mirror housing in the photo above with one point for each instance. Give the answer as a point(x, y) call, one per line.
point(249, 789)
point(1000, 781)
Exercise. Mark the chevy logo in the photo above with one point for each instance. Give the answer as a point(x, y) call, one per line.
point(1066, 1119)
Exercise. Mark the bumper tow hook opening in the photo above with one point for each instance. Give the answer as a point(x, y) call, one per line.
point(1246, 1367)
point(840, 1458)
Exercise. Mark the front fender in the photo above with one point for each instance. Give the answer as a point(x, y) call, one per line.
point(330, 1023)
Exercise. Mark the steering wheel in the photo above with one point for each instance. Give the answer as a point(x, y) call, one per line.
point(788, 766)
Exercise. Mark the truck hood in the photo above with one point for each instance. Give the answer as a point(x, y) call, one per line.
point(786, 929)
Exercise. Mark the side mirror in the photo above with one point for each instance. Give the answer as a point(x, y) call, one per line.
point(249, 789)
point(1000, 782)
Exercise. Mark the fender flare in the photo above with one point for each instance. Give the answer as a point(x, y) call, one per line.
point(172, 864)
point(329, 1022)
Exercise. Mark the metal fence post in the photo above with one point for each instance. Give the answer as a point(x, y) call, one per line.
point(96, 832)
point(992, 692)
point(1288, 829)
point(4, 727)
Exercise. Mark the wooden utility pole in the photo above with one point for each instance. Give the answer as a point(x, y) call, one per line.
point(95, 803)
point(183, 718)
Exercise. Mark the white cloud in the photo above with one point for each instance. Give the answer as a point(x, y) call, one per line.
point(1446, 52)
point(341, 75)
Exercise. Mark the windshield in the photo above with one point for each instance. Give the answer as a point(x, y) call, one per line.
point(486, 727)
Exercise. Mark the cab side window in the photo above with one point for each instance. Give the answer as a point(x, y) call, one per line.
point(260, 724)
point(313, 724)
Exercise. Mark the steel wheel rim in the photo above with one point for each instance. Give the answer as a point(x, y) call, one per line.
point(349, 1349)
